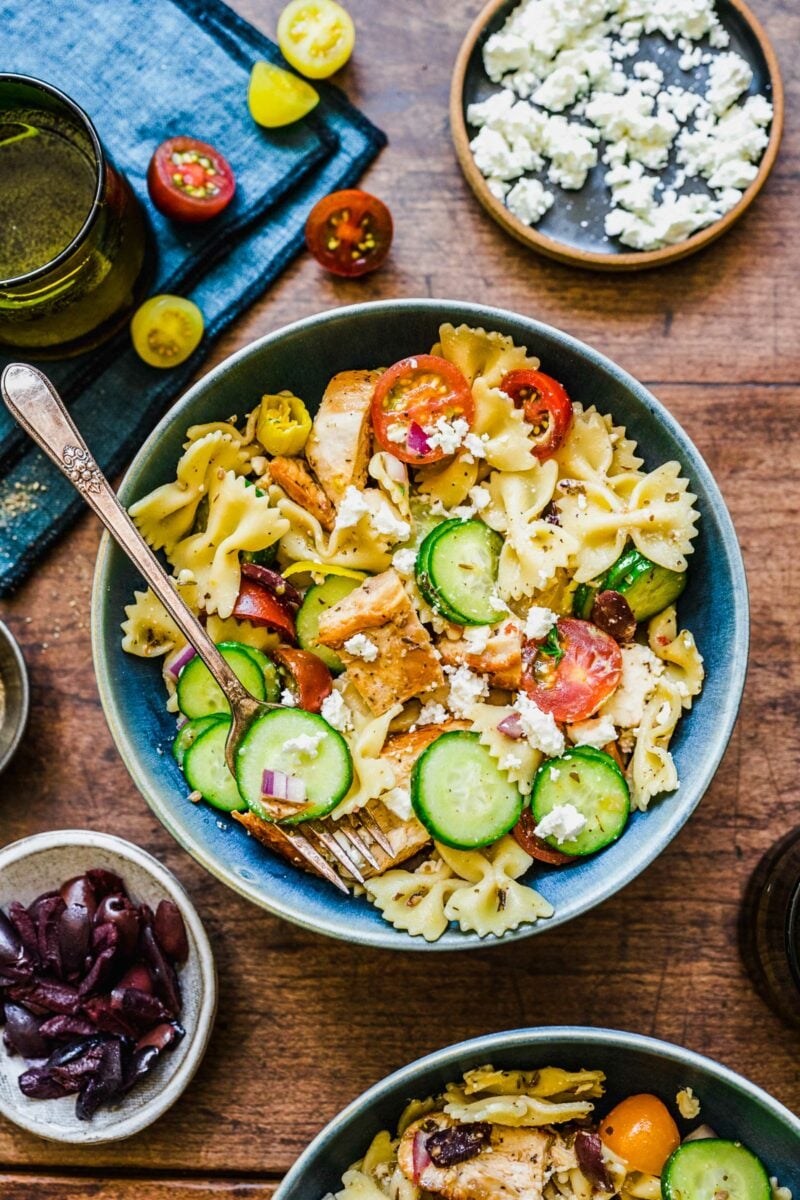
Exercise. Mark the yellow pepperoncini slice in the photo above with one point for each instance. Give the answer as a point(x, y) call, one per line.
point(318, 568)
point(283, 424)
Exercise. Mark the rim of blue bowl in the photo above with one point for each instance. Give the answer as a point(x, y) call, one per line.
point(18, 715)
point(482, 1049)
point(332, 925)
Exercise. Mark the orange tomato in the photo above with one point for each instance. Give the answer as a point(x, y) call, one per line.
point(641, 1131)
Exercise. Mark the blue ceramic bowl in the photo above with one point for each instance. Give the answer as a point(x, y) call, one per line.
point(733, 1107)
point(303, 357)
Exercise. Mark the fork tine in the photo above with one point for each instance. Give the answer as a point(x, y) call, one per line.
point(316, 861)
point(329, 842)
point(371, 823)
point(354, 835)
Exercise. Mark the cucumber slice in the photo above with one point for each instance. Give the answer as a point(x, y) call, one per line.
point(647, 587)
point(190, 732)
point(272, 681)
point(459, 563)
point(207, 772)
point(317, 600)
point(422, 570)
point(199, 694)
point(583, 599)
point(327, 774)
point(592, 783)
point(712, 1167)
point(460, 794)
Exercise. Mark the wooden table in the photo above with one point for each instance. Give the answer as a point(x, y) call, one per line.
point(306, 1023)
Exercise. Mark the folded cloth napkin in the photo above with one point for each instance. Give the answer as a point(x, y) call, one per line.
point(146, 70)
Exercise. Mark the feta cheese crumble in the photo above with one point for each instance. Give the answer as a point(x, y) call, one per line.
point(287, 698)
point(352, 507)
point(596, 732)
point(432, 714)
point(564, 823)
point(305, 745)
point(539, 727)
point(398, 801)
point(466, 689)
point(404, 562)
point(360, 646)
point(446, 435)
point(539, 622)
point(336, 712)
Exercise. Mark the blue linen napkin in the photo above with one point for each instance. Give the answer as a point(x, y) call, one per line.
point(145, 70)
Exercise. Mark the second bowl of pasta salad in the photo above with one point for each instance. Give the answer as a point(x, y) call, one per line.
point(473, 567)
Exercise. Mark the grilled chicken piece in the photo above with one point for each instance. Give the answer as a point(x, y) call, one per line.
point(406, 664)
point(294, 477)
point(338, 447)
point(500, 659)
point(509, 1164)
point(403, 749)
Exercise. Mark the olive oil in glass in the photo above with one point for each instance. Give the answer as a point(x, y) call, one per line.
point(74, 244)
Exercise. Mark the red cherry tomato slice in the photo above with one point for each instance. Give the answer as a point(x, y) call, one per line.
point(573, 686)
point(188, 180)
point(349, 232)
point(258, 606)
point(410, 397)
point(548, 408)
point(525, 833)
point(308, 677)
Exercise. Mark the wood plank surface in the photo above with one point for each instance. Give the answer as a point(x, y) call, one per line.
point(305, 1023)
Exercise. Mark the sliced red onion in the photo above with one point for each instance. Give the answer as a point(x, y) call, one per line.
point(181, 721)
point(186, 655)
point(274, 583)
point(420, 1158)
point(417, 441)
point(283, 787)
point(511, 726)
point(589, 1153)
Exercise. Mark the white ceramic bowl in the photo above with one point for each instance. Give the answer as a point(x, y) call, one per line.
point(38, 864)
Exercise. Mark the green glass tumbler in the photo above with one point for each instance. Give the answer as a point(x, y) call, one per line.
point(76, 250)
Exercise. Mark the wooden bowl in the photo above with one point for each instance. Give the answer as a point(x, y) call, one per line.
point(563, 237)
point(39, 863)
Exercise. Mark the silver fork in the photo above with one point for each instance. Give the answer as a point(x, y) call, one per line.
point(35, 404)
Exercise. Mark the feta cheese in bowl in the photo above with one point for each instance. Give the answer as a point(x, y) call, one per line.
point(614, 135)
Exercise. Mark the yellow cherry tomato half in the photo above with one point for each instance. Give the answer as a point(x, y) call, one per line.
point(641, 1132)
point(276, 97)
point(316, 36)
point(166, 330)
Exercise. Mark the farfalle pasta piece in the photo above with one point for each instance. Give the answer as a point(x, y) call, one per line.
point(372, 775)
point(356, 546)
point(167, 514)
point(448, 481)
point(587, 451)
point(548, 1083)
point(506, 435)
point(227, 428)
point(651, 769)
point(662, 517)
point(491, 901)
point(533, 549)
point(230, 629)
point(516, 757)
point(523, 1111)
point(391, 476)
point(594, 517)
point(481, 355)
point(415, 901)
point(684, 662)
point(624, 457)
point(238, 519)
point(148, 629)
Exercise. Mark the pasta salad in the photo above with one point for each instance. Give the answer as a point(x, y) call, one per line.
point(459, 583)
point(536, 1135)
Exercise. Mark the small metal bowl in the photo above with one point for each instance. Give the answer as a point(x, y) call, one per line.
point(15, 699)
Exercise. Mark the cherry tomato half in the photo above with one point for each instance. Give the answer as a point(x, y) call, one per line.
point(642, 1132)
point(276, 97)
point(525, 833)
point(166, 330)
point(307, 676)
point(259, 606)
point(188, 180)
point(349, 232)
point(410, 397)
point(547, 406)
point(316, 36)
point(574, 683)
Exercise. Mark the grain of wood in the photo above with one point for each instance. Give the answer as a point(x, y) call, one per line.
point(305, 1023)
point(61, 1187)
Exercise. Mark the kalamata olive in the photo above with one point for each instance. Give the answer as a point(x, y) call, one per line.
point(589, 1153)
point(11, 949)
point(47, 917)
point(104, 1083)
point(46, 996)
point(74, 935)
point(612, 613)
point(170, 931)
point(457, 1143)
point(23, 922)
point(163, 973)
point(141, 1008)
point(22, 1032)
point(80, 891)
point(118, 910)
point(63, 1026)
point(37, 1084)
point(162, 1036)
point(104, 883)
point(138, 977)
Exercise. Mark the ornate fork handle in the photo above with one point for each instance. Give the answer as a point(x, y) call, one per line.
point(35, 404)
